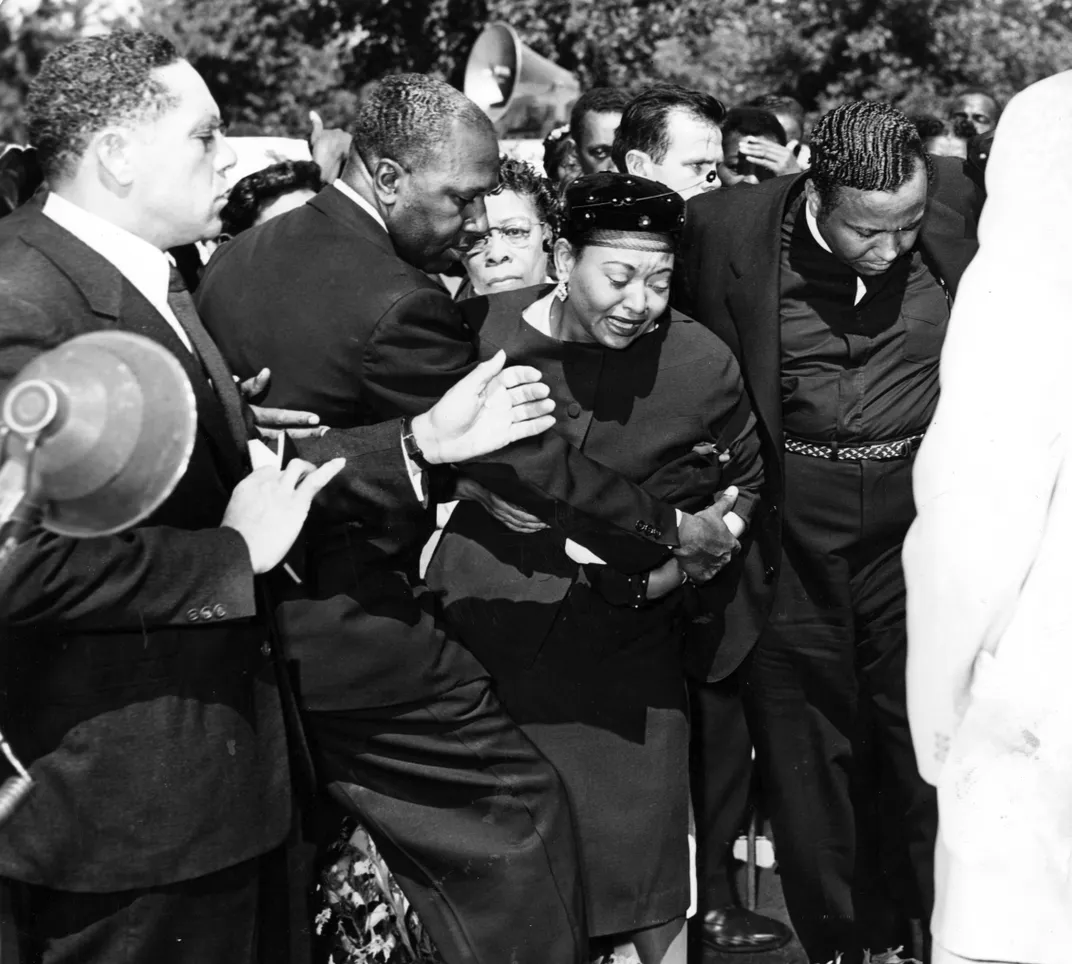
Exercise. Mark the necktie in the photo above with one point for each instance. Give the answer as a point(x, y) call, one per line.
point(182, 304)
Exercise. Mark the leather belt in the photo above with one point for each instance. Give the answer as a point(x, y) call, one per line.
point(879, 451)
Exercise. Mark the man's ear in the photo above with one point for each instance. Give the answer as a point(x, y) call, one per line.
point(387, 177)
point(114, 149)
point(638, 163)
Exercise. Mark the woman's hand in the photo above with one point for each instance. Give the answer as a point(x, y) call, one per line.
point(507, 513)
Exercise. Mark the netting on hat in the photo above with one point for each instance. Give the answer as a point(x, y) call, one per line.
point(630, 240)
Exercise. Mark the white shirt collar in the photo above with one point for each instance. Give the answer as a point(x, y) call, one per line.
point(813, 226)
point(538, 314)
point(142, 264)
point(340, 185)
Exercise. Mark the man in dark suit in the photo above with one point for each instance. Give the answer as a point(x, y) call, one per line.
point(833, 288)
point(334, 299)
point(139, 670)
point(139, 679)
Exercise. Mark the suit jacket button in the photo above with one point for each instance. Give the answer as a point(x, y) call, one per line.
point(193, 615)
point(574, 410)
point(266, 648)
point(206, 612)
point(768, 573)
point(219, 611)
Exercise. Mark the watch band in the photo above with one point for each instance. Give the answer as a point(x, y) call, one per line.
point(409, 443)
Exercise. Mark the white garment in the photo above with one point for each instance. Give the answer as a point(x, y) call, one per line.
point(988, 562)
point(813, 226)
point(340, 185)
point(143, 265)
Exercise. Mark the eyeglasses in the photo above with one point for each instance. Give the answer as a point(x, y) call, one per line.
point(517, 234)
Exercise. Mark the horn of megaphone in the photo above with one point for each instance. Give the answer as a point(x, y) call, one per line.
point(96, 434)
point(518, 89)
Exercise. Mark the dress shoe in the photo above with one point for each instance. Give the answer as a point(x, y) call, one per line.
point(737, 931)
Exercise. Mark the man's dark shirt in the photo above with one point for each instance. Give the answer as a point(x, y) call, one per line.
point(856, 374)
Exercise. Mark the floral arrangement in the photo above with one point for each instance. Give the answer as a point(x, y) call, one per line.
point(886, 957)
point(365, 918)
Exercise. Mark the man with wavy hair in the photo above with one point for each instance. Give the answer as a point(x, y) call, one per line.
point(834, 289)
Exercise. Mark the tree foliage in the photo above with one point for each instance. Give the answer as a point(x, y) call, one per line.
point(270, 61)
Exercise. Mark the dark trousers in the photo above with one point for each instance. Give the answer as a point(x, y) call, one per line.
point(720, 750)
point(208, 920)
point(472, 821)
point(854, 823)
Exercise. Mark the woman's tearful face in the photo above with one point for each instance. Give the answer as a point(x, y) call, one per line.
point(615, 294)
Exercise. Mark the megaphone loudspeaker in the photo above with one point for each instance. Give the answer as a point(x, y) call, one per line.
point(513, 84)
point(106, 422)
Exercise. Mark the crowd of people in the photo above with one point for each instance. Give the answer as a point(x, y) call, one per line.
point(664, 400)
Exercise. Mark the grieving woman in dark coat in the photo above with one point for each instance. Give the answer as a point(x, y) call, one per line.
point(586, 659)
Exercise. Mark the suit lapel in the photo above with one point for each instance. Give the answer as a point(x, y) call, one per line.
point(753, 297)
point(141, 317)
point(119, 305)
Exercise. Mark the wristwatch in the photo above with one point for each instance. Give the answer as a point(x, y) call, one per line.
point(409, 443)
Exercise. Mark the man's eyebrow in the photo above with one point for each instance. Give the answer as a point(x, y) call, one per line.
point(212, 122)
point(867, 229)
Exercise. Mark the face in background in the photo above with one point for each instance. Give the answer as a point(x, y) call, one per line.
point(597, 138)
point(569, 165)
point(436, 205)
point(692, 159)
point(977, 108)
point(513, 254)
point(870, 230)
point(615, 294)
point(283, 203)
point(178, 164)
point(738, 169)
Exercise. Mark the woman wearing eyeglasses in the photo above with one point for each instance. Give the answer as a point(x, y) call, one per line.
point(515, 251)
point(587, 658)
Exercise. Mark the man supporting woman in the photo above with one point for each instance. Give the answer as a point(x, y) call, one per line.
point(588, 659)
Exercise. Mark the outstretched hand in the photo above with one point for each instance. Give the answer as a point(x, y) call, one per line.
point(273, 422)
point(485, 411)
point(268, 508)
